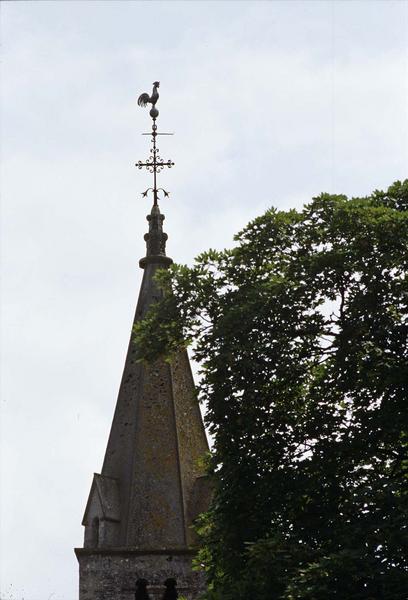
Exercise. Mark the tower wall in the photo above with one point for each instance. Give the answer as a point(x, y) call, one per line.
point(112, 575)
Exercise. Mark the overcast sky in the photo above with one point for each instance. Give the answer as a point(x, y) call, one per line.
point(271, 103)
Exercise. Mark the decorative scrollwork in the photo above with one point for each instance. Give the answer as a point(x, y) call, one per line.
point(154, 164)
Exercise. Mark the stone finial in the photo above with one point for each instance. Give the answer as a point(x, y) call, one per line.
point(155, 240)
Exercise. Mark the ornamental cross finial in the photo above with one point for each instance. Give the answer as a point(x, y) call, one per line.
point(154, 164)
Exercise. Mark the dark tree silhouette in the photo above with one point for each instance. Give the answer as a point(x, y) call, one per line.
point(301, 331)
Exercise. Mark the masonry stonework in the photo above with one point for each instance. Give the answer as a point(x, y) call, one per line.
point(141, 507)
point(113, 575)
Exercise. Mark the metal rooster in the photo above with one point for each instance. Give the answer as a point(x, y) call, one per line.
point(145, 99)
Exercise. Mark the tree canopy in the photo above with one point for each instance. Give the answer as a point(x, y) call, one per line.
point(300, 331)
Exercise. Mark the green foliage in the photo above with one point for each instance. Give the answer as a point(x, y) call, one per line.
point(301, 334)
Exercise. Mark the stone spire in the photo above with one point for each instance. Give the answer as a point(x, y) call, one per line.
point(141, 507)
point(157, 436)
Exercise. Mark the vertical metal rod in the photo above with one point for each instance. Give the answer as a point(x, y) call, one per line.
point(155, 199)
point(154, 163)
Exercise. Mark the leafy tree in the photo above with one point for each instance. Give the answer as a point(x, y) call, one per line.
point(301, 334)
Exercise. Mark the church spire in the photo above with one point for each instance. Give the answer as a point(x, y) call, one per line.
point(141, 507)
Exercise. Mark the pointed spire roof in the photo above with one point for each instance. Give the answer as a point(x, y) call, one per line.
point(151, 464)
point(152, 485)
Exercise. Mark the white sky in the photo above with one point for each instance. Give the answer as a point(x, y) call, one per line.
point(271, 102)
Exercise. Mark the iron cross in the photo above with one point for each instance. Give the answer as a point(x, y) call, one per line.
point(154, 164)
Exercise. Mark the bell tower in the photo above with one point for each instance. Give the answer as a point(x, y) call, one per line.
point(141, 507)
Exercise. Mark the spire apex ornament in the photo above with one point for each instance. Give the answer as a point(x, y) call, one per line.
point(145, 99)
point(154, 164)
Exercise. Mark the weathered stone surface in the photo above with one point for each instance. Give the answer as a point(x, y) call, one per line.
point(111, 575)
point(152, 486)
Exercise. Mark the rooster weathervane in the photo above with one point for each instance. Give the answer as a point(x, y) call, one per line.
point(154, 164)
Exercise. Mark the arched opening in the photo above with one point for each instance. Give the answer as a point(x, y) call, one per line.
point(95, 532)
point(171, 591)
point(141, 590)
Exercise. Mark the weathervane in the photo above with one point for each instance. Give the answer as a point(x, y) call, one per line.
point(154, 164)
